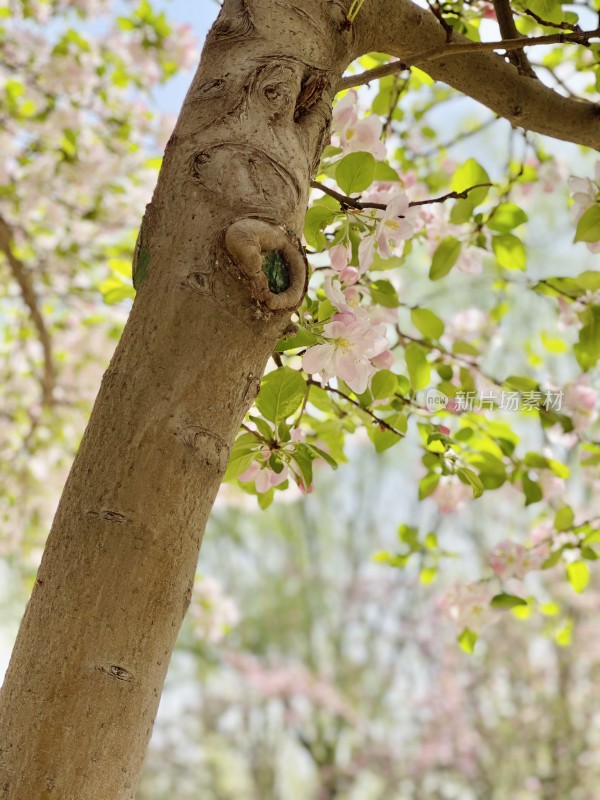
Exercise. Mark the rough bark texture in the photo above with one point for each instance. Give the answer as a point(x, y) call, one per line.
point(82, 690)
point(85, 679)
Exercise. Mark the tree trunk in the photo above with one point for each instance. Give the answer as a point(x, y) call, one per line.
point(83, 686)
point(82, 690)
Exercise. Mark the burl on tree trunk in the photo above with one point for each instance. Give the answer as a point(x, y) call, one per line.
point(219, 268)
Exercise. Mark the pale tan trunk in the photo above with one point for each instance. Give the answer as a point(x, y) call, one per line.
point(81, 693)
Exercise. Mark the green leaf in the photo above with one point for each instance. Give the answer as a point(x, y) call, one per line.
point(550, 609)
point(263, 426)
point(319, 398)
point(428, 323)
point(587, 349)
point(419, 369)
point(467, 640)
point(431, 541)
point(532, 490)
point(588, 227)
point(303, 457)
point(409, 535)
point(382, 437)
point(242, 455)
point(428, 484)
point(383, 172)
point(578, 575)
point(114, 290)
point(428, 575)
point(302, 338)
point(563, 521)
point(325, 456)
point(548, 10)
point(383, 384)
point(281, 394)
point(504, 600)
point(265, 500)
point(355, 172)
point(563, 636)
point(509, 251)
point(552, 559)
point(317, 218)
point(553, 344)
point(444, 258)
point(470, 174)
point(505, 217)
point(384, 294)
point(472, 479)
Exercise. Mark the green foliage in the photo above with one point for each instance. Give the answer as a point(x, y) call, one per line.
point(281, 394)
point(444, 258)
point(355, 172)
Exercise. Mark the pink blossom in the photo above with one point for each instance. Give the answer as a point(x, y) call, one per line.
point(512, 560)
point(344, 300)
point(263, 476)
point(213, 614)
point(552, 486)
point(356, 135)
point(470, 260)
point(339, 255)
point(384, 360)
point(451, 494)
point(581, 400)
point(586, 193)
point(468, 606)
point(469, 324)
point(567, 312)
point(344, 111)
point(350, 343)
point(365, 137)
point(349, 275)
point(396, 224)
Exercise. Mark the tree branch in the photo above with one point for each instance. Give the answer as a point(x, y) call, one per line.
point(21, 276)
point(351, 202)
point(460, 48)
point(381, 422)
point(508, 29)
point(413, 35)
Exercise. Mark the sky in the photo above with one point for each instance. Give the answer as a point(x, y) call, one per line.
point(200, 14)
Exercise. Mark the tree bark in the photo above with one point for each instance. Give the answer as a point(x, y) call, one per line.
point(84, 682)
point(83, 686)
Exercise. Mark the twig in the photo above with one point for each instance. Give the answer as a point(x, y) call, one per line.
point(508, 29)
point(373, 416)
point(458, 138)
point(461, 48)
point(559, 81)
point(21, 275)
point(350, 202)
point(563, 26)
point(399, 87)
point(256, 435)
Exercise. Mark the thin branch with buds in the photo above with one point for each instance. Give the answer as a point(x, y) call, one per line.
point(350, 202)
point(582, 38)
point(381, 422)
point(508, 29)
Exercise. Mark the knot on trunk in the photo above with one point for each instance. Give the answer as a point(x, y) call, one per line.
point(271, 260)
